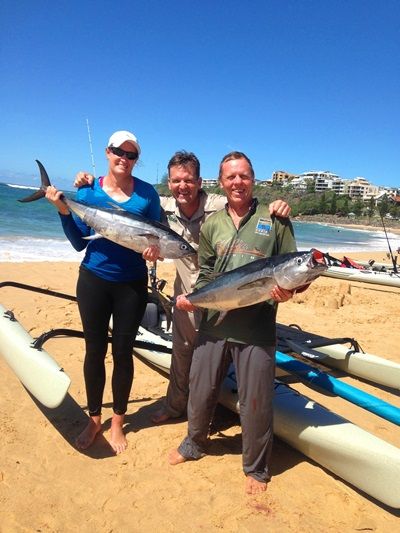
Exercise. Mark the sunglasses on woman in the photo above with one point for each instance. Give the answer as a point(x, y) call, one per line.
point(123, 153)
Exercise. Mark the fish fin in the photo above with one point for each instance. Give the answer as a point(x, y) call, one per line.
point(253, 284)
point(31, 198)
point(222, 315)
point(45, 182)
point(153, 239)
point(93, 237)
point(44, 177)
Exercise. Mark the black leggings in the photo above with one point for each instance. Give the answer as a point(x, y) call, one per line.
point(98, 299)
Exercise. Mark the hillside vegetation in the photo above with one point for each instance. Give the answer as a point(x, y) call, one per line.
point(326, 204)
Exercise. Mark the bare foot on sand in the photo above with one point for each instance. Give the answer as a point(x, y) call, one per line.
point(118, 440)
point(175, 458)
point(160, 416)
point(86, 438)
point(255, 487)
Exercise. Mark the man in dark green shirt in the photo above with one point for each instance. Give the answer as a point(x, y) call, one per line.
point(237, 235)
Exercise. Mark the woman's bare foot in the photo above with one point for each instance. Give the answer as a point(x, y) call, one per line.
point(175, 458)
point(118, 440)
point(160, 416)
point(255, 487)
point(86, 438)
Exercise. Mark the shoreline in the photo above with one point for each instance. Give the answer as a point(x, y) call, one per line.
point(25, 250)
point(344, 222)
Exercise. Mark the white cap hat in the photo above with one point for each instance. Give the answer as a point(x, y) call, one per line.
point(119, 137)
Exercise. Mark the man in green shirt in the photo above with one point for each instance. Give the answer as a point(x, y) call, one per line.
point(240, 233)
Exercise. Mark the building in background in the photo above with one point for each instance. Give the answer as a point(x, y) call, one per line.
point(320, 181)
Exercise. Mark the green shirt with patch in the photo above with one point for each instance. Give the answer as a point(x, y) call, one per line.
point(222, 248)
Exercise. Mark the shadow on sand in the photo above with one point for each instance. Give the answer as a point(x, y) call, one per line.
point(69, 419)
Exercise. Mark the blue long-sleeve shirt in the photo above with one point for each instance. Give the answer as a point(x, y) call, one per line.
point(103, 257)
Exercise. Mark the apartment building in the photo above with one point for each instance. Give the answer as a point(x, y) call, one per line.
point(282, 177)
point(209, 183)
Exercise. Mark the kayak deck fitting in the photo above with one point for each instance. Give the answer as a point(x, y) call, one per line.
point(333, 353)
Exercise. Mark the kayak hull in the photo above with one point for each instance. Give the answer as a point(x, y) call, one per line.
point(363, 365)
point(360, 458)
point(292, 339)
point(365, 276)
point(36, 369)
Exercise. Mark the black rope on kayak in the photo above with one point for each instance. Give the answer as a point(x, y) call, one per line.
point(32, 288)
point(315, 341)
point(63, 332)
point(10, 315)
point(152, 346)
point(155, 295)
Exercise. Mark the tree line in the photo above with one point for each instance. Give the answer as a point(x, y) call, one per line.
point(311, 203)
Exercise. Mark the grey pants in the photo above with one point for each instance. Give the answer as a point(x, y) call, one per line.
point(255, 369)
point(184, 335)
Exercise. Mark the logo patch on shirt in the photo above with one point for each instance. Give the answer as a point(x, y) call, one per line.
point(172, 218)
point(263, 226)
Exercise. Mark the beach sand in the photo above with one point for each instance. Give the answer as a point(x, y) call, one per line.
point(48, 485)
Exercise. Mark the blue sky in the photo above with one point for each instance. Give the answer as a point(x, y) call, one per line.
point(297, 85)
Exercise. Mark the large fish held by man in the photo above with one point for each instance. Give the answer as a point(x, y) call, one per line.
point(252, 283)
point(121, 227)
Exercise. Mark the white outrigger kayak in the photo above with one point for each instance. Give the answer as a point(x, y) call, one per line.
point(364, 365)
point(334, 353)
point(375, 265)
point(35, 368)
point(360, 458)
point(391, 279)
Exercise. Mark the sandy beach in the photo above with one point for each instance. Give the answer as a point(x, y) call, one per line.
point(47, 485)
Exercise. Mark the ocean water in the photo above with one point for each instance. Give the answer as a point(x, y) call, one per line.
point(32, 232)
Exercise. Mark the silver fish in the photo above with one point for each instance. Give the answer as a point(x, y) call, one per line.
point(122, 227)
point(252, 283)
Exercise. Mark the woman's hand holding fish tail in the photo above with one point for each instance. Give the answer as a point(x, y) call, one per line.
point(54, 197)
point(184, 304)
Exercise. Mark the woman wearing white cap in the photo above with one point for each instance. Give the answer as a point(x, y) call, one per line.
point(112, 282)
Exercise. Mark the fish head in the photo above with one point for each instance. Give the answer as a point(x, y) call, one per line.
point(175, 248)
point(299, 268)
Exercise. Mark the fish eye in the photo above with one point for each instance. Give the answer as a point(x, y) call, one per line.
point(183, 246)
point(299, 260)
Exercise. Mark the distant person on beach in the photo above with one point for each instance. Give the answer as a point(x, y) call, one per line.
point(186, 211)
point(234, 236)
point(112, 283)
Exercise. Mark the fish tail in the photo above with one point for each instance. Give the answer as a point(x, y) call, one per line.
point(45, 182)
point(221, 316)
